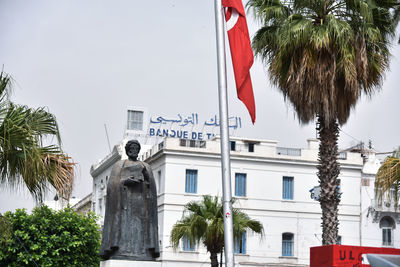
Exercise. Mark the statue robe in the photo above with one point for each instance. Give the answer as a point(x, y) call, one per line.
point(131, 223)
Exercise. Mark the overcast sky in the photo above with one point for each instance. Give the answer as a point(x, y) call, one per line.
point(87, 61)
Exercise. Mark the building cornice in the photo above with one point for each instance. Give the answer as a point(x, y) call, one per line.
point(204, 154)
point(83, 202)
point(106, 163)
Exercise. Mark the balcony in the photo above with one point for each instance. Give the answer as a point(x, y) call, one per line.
point(384, 204)
point(288, 151)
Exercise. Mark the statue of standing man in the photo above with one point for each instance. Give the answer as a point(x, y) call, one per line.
point(131, 223)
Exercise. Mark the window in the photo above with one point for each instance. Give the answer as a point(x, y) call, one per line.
point(160, 145)
point(387, 236)
point(392, 194)
point(202, 144)
point(233, 145)
point(240, 184)
point(135, 120)
point(287, 187)
point(191, 181)
point(339, 240)
point(182, 142)
point(187, 245)
point(287, 244)
point(387, 225)
point(288, 151)
point(192, 143)
point(364, 182)
point(251, 147)
point(240, 244)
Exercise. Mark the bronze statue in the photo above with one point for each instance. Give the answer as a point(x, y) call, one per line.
point(131, 223)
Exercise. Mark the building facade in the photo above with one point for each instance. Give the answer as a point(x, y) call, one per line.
point(272, 184)
point(84, 206)
point(379, 217)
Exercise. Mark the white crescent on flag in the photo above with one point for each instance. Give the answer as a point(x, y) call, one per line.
point(232, 20)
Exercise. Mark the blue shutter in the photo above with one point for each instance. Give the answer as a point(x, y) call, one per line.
point(284, 187)
point(187, 181)
point(195, 181)
point(191, 181)
point(291, 188)
point(287, 187)
point(287, 244)
point(236, 247)
point(240, 184)
point(244, 243)
point(187, 245)
point(240, 244)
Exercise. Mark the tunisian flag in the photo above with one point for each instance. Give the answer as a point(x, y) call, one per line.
point(242, 55)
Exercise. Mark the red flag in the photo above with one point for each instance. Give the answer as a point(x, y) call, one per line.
point(242, 55)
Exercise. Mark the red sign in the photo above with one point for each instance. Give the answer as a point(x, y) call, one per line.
point(345, 256)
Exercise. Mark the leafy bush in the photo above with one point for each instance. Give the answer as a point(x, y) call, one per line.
point(50, 238)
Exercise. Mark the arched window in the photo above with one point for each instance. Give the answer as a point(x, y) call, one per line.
point(387, 225)
point(287, 244)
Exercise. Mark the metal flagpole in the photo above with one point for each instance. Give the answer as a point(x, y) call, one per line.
point(225, 156)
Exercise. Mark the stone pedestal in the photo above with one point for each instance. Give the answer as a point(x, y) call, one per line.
point(126, 263)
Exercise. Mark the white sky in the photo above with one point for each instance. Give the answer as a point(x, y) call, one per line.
point(88, 60)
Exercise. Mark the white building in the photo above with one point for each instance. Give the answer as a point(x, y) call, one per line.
point(379, 218)
point(59, 203)
point(271, 183)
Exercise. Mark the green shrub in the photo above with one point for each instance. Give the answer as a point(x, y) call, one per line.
point(50, 238)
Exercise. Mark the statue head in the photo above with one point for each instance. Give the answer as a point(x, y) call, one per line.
point(132, 149)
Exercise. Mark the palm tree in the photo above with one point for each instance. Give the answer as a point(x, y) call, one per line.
point(24, 159)
point(323, 55)
point(388, 177)
point(204, 221)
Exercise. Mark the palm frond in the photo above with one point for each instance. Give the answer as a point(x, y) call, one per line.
point(323, 55)
point(204, 222)
point(24, 160)
point(388, 178)
point(5, 88)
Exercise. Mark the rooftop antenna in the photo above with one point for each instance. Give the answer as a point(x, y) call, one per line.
point(108, 140)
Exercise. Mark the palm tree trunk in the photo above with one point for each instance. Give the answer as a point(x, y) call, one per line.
point(328, 171)
point(214, 259)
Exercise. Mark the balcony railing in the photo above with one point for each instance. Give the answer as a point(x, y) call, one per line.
point(192, 143)
point(385, 205)
point(288, 151)
point(342, 155)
